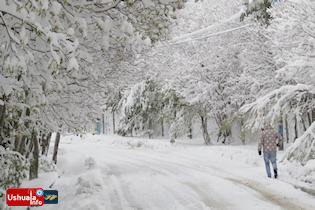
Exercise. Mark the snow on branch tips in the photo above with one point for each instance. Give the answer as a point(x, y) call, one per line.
point(303, 149)
point(274, 104)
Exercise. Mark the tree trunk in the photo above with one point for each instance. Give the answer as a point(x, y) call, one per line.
point(242, 136)
point(205, 133)
point(103, 122)
point(22, 142)
point(22, 146)
point(295, 128)
point(303, 123)
point(2, 112)
point(175, 134)
point(17, 143)
point(226, 134)
point(218, 121)
point(114, 130)
point(190, 131)
point(150, 129)
point(162, 127)
point(35, 157)
point(286, 128)
point(41, 140)
point(56, 148)
point(45, 145)
point(29, 147)
point(17, 138)
point(309, 117)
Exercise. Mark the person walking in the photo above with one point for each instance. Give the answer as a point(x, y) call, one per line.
point(269, 140)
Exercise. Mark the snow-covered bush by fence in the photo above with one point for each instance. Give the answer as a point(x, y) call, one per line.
point(13, 169)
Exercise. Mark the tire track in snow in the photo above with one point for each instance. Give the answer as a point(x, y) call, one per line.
point(204, 197)
point(154, 174)
point(267, 195)
point(175, 171)
point(177, 168)
point(171, 170)
point(180, 170)
point(158, 177)
point(121, 198)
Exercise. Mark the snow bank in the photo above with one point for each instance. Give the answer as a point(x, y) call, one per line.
point(240, 153)
point(302, 177)
point(122, 142)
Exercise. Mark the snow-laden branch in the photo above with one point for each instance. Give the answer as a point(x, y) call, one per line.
point(274, 103)
point(115, 3)
point(88, 3)
point(9, 32)
point(303, 149)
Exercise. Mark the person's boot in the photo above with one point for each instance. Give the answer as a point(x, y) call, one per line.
point(276, 173)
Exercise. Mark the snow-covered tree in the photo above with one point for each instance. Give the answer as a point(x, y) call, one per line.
point(54, 57)
point(292, 41)
point(216, 69)
point(185, 68)
point(140, 107)
point(258, 9)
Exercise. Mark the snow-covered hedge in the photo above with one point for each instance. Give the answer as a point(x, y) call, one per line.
point(13, 169)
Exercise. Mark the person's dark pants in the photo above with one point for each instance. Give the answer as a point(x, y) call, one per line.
point(270, 157)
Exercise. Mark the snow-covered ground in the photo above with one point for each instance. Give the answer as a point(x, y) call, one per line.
point(111, 172)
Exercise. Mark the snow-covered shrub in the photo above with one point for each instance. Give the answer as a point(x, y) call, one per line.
point(13, 169)
point(134, 144)
point(46, 165)
point(2, 199)
point(85, 186)
point(90, 162)
point(303, 175)
point(303, 149)
point(90, 182)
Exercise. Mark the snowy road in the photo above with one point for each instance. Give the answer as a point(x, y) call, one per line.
point(145, 176)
